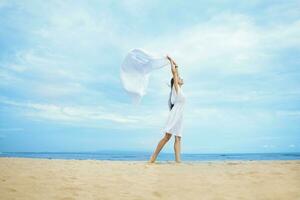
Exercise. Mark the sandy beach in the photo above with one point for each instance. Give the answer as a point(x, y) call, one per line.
point(22, 178)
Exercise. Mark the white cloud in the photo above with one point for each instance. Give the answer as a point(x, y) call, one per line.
point(90, 116)
point(238, 95)
point(228, 43)
point(67, 52)
point(69, 113)
point(231, 119)
point(51, 75)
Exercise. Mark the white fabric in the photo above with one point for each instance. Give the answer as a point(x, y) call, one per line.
point(175, 119)
point(136, 69)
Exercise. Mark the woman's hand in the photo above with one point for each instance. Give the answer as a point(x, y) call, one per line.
point(169, 58)
point(172, 61)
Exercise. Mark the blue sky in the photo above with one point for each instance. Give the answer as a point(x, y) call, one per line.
point(60, 88)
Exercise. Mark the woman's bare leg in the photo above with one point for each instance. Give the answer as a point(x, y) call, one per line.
point(159, 147)
point(177, 148)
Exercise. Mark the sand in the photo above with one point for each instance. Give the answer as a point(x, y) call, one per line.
point(24, 178)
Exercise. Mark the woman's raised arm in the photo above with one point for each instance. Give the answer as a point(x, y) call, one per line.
point(174, 73)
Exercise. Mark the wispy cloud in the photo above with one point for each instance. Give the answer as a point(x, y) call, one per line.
point(229, 43)
point(90, 116)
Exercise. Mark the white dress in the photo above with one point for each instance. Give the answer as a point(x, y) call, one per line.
point(175, 119)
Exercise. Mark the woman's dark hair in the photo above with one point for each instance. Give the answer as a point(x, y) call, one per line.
point(170, 103)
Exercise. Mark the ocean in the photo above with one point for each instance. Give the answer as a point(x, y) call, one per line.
point(144, 156)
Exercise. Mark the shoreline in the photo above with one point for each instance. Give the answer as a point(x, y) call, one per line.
point(144, 156)
point(145, 161)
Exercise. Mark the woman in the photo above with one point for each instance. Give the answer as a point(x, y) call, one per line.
point(174, 121)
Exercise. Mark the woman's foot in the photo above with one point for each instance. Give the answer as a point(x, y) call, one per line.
point(152, 160)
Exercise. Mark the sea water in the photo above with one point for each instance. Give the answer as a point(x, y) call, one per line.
point(144, 156)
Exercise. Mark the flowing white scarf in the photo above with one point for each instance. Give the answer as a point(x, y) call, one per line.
point(136, 69)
